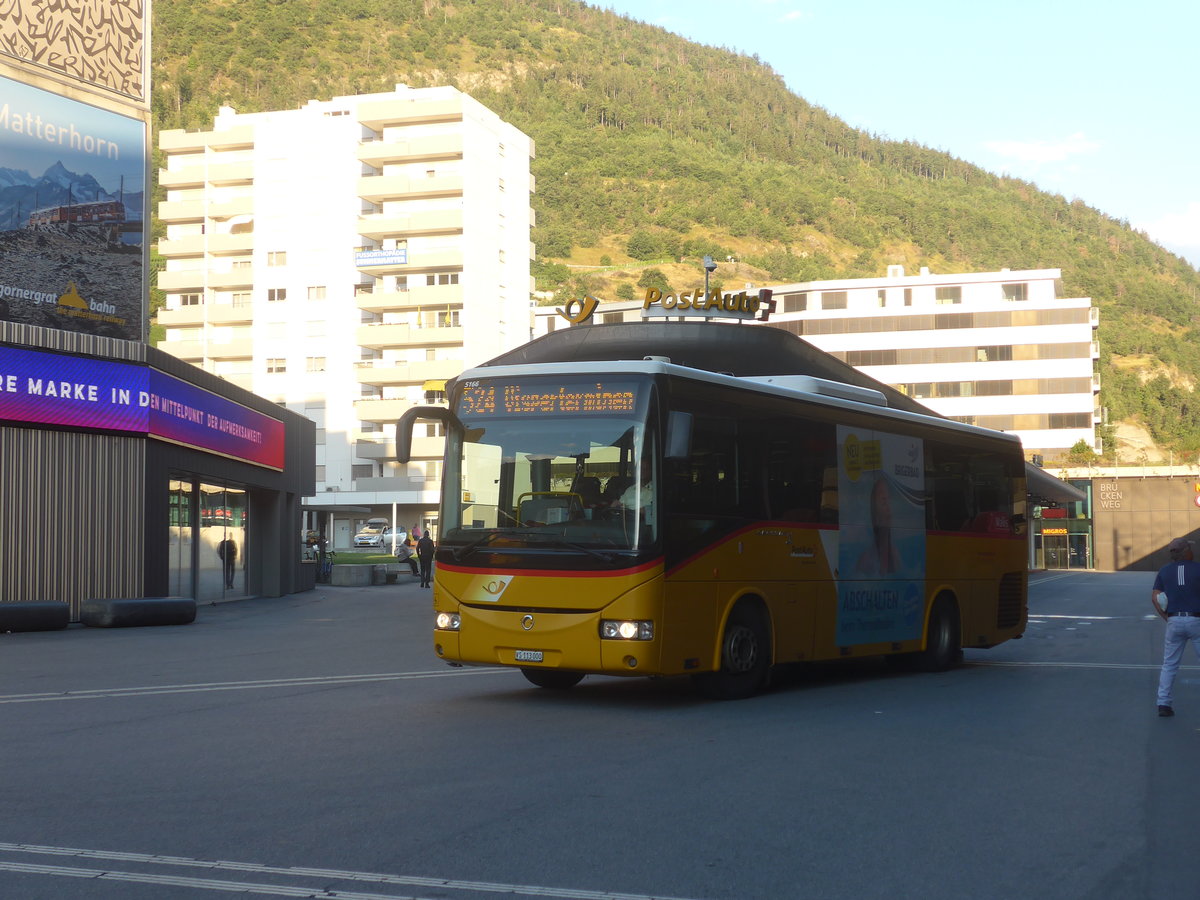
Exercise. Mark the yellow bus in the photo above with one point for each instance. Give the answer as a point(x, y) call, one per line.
point(641, 517)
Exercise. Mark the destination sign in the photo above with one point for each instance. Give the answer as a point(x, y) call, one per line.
point(539, 398)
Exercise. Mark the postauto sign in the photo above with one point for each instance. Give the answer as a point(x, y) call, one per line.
point(86, 394)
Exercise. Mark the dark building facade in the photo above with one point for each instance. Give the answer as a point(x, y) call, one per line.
point(127, 473)
point(1129, 515)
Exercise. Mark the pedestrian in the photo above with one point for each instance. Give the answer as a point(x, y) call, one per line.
point(406, 552)
point(425, 549)
point(227, 550)
point(1179, 582)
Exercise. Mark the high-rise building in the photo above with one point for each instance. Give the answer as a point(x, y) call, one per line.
point(344, 259)
point(996, 349)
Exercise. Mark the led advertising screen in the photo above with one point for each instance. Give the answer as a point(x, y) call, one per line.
point(97, 394)
point(72, 214)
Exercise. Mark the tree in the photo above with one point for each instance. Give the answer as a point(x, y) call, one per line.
point(654, 278)
point(1081, 454)
point(644, 245)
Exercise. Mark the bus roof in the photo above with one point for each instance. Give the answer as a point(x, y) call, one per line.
point(784, 387)
point(741, 356)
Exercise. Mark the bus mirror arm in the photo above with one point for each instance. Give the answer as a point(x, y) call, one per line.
point(405, 424)
point(679, 435)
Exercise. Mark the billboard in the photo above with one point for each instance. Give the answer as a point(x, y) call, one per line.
point(101, 42)
point(84, 393)
point(72, 214)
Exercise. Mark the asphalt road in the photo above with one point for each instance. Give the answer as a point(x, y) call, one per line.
point(313, 746)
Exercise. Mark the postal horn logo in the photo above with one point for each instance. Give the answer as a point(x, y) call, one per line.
point(576, 311)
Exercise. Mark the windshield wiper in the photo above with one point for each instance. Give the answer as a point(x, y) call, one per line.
point(541, 537)
point(571, 545)
point(486, 537)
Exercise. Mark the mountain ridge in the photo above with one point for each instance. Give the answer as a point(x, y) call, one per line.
point(649, 146)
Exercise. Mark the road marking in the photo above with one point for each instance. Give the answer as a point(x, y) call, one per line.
point(1073, 665)
point(517, 890)
point(318, 681)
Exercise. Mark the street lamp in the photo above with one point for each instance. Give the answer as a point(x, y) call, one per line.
point(709, 267)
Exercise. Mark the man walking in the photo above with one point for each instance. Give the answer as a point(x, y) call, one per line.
point(425, 549)
point(1179, 582)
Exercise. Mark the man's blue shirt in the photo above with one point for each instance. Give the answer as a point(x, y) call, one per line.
point(1180, 581)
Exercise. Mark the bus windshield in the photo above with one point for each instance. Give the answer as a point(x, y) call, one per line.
point(545, 470)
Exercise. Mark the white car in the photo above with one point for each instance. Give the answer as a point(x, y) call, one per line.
point(374, 534)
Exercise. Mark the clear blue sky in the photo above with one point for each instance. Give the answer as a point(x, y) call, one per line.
point(1090, 99)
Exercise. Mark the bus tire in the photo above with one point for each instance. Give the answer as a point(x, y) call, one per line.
point(745, 657)
point(943, 639)
point(552, 679)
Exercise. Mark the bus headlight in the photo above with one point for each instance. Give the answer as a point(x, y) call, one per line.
point(448, 621)
point(625, 630)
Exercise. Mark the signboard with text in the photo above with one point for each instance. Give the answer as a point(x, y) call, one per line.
point(106, 395)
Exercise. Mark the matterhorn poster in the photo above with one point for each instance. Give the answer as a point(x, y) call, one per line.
point(72, 214)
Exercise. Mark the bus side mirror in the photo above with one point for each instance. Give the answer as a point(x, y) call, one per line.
point(679, 435)
point(405, 424)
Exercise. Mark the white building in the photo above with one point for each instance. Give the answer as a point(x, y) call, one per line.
point(996, 349)
point(344, 259)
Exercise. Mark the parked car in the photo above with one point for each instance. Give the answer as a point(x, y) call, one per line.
point(376, 533)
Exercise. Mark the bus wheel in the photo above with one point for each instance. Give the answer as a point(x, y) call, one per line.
point(745, 658)
point(555, 679)
point(943, 641)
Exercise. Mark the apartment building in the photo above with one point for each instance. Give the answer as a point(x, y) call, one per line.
point(343, 260)
point(996, 349)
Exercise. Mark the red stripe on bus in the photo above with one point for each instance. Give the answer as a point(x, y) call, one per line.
point(550, 573)
point(708, 548)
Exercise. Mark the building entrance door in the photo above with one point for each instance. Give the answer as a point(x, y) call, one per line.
point(1055, 551)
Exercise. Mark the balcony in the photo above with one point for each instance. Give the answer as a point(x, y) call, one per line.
point(1095, 349)
point(192, 245)
point(422, 448)
point(391, 187)
point(212, 313)
point(230, 244)
point(383, 411)
point(192, 176)
point(383, 113)
point(237, 348)
point(437, 296)
point(387, 336)
point(230, 173)
point(176, 140)
point(383, 373)
point(406, 225)
point(238, 206)
point(199, 244)
point(186, 280)
point(176, 211)
point(240, 137)
point(380, 335)
point(1095, 382)
point(426, 149)
point(189, 351)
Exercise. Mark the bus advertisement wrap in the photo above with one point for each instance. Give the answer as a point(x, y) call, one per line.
point(881, 547)
point(98, 394)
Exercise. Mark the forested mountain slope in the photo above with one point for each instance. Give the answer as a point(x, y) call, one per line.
point(652, 147)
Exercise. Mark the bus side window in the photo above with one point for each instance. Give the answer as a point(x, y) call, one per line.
point(801, 459)
point(947, 479)
point(709, 483)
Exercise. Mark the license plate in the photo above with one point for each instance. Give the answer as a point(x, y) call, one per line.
point(529, 656)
